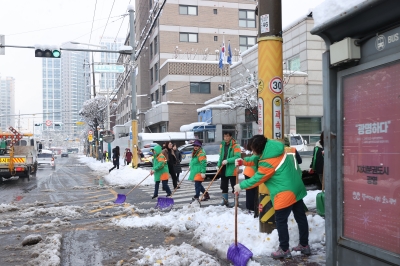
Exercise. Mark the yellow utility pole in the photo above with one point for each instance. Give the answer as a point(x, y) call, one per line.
point(270, 91)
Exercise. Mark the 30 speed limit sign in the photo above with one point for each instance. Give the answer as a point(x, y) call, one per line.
point(275, 85)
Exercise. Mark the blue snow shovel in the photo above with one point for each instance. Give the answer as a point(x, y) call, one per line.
point(121, 197)
point(237, 253)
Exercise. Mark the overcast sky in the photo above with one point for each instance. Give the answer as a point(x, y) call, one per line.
point(23, 23)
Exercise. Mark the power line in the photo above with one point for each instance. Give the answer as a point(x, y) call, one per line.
point(107, 21)
point(122, 22)
point(97, 29)
point(94, 13)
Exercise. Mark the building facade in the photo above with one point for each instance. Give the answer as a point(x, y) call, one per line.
point(66, 85)
point(302, 55)
point(177, 68)
point(7, 103)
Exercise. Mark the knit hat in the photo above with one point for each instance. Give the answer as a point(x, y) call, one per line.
point(197, 143)
point(287, 141)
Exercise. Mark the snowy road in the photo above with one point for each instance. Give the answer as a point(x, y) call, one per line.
point(78, 224)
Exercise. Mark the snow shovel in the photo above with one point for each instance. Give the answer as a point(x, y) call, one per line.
point(121, 197)
point(237, 253)
point(321, 199)
point(165, 202)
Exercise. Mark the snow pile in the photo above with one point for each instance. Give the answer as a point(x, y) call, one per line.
point(332, 8)
point(184, 254)
point(32, 240)
point(217, 222)
point(70, 211)
point(47, 252)
point(8, 207)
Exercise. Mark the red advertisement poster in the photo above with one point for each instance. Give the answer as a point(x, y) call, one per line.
point(371, 157)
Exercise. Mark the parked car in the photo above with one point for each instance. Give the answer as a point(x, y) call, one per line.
point(297, 141)
point(46, 159)
point(147, 159)
point(212, 153)
point(64, 154)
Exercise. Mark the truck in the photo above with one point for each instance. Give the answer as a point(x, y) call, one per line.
point(18, 154)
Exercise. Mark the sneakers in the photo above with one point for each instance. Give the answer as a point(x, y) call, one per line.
point(195, 199)
point(304, 250)
point(154, 197)
point(280, 254)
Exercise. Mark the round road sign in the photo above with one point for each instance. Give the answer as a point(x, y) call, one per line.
point(90, 132)
point(275, 85)
point(48, 123)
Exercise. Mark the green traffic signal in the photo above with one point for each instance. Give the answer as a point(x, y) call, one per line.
point(56, 53)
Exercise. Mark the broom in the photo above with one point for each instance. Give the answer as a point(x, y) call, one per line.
point(165, 202)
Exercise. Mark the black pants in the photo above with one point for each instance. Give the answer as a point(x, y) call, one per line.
point(250, 194)
point(281, 218)
point(225, 181)
point(116, 164)
point(173, 176)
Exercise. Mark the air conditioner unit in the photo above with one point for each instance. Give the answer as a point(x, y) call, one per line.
point(344, 51)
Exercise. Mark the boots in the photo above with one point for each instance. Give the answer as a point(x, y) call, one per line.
point(225, 201)
point(206, 196)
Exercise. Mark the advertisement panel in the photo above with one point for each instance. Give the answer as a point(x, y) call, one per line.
point(371, 157)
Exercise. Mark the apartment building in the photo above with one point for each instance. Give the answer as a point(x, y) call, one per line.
point(7, 103)
point(178, 68)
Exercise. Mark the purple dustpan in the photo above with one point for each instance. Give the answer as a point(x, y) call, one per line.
point(238, 254)
point(120, 199)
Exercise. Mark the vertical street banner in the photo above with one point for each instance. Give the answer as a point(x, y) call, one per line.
point(371, 156)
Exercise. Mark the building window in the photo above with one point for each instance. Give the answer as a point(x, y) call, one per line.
point(157, 96)
point(247, 133)
point(294, 63)
point(151, 50)
point(155, 45)
point(215, 38)
point(200, 87)
point(246, 42)
point(188, 10)
point(215, 11)
point(156, 72)
point(247, 18)
point(152, 97)
point(151, 76)
point(150, 4)
point(187, 37)
point(163, 89)
point(310, 128)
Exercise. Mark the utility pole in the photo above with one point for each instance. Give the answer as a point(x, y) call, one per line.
point(133, 84)
point(270, 92)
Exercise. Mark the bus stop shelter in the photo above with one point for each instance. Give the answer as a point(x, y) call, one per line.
point(361, 88)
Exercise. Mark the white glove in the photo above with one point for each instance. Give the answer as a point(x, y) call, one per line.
point(151, 172)
point(237, 188)
point(203, 176)
point(224, 162)
point(239, 162)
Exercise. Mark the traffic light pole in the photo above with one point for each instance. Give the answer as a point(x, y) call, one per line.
point(133, 86)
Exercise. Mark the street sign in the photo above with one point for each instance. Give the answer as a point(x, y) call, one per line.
point(90, 132)
point(90, 138)
point(109, 68)
point(48, 123)
point(80, 123)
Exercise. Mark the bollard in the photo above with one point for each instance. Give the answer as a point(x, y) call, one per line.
point(101, 182)
point(267, 214)
point(96, 181)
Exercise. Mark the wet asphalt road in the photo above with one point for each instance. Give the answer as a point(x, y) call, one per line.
point(90, 239)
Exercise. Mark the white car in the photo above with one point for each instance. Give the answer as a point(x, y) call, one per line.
point(212, 153)
point(46, 159)
point(297, 141)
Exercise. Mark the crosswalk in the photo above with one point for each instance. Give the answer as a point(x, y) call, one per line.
point(183, 195)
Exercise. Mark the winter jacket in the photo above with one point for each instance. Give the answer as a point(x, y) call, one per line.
point(233, 154)
point(251, 164)
point(128, 156)
point(177, 166)
point(317, 162)
point(280, 173)
point(198, 165)
point(160, 166)
point(115, 156)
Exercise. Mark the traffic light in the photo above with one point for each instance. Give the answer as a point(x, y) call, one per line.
point(101, 135)
point(48, 52)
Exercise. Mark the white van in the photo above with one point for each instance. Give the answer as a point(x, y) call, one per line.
point(297, 141)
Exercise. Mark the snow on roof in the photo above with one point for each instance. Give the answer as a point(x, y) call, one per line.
point(166, 136)
point(190, 127)
point(214, 106)
point(299, 19)
point(188, 61)
point(294, 73)
point(329, 9)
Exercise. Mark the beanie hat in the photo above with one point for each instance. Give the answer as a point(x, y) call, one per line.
point(197, 143)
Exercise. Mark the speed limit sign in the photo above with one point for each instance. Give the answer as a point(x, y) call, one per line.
point(275, 85)
point(48, 123)
point(90, 132)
